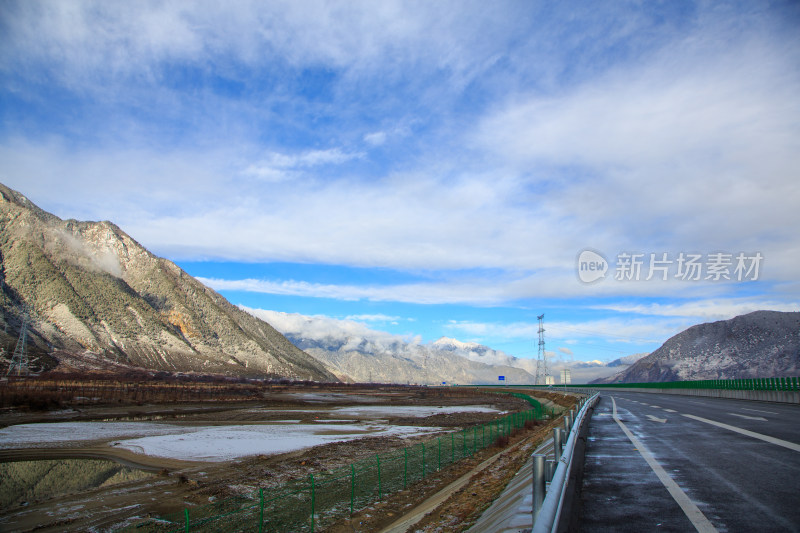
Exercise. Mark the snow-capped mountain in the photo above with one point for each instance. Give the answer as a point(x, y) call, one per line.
point(483, 354)
point(353, 351)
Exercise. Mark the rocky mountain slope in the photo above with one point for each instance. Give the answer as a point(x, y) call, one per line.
point(91, 289)
point(759, 344)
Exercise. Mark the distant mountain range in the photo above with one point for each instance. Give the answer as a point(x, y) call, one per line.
point(353, 351)
point(759, 344)
point(98, 300)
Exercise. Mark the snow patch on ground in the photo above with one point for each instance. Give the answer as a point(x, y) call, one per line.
point(199, 443)
point(418, 411)
point(45, 434)
point(223, 443)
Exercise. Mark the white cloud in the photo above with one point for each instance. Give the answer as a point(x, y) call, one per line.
point(354, 334)
point(565, 351)
point(680, 139)
point(374, 318)
point(650, 145)
point(376, 138)
point(705, 309)
point(614, 333)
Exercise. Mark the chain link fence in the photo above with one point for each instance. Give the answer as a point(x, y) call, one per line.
point(322, 498)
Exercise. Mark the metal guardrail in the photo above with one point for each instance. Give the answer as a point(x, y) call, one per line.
point(547, 509)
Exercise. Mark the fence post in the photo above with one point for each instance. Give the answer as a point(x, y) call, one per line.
point(311, 477)
point(423, 460)
point(186, 517)
point(380, 493)
point(352, 486)
point(261, 510)
point(452, 447)
point(405, 468)
point(440, 454)
point(474, 438)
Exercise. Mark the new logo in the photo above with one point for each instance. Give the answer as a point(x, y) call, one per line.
point(592, 266)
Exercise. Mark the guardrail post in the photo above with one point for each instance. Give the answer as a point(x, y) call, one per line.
point(549, 469)
point(557, 443)
point(538, 482)
point(567, 423)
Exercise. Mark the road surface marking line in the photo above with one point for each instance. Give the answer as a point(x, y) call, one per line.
point(766, 438)
point(759, 411)
point(695, 515)
point(670, 410)
point(656, 419)
point(656, 406)
point(748, 417)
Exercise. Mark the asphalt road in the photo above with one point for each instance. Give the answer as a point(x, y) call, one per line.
point(682, 463)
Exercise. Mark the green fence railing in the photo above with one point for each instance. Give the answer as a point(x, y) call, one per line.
point(324, 497)
point(760, 384)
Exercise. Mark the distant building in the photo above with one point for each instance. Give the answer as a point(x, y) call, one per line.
point(549, 380)
point(566, 377)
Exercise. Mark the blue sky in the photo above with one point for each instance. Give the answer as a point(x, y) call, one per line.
point(426, 168)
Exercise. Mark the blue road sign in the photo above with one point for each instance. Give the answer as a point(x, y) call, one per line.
point(501, 378)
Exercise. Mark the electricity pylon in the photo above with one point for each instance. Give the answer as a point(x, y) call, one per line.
point(19, 359)
point(541, 360)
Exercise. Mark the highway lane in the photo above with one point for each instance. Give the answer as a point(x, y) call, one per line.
point(681, 463)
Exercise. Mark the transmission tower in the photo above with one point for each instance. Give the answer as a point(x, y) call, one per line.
point(19, 360)
point(541, 360)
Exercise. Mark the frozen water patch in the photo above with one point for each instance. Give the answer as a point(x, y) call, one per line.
point(332, 397)
point(417, 411)
point(45, 434)
point(223, 443)
point(199, 443)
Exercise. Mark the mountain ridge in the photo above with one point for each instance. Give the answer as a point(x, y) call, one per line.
point(353, 351)
point(757, 344)
point(90, 287)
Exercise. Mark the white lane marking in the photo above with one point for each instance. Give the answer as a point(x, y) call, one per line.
point(670, 410)
point(654, 419)
point(767, 438)
point(656, 406)
point(695, 515)
point(748, 417)
point(759, 411)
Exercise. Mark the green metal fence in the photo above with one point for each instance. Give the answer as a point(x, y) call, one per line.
point(324, 497)
point(762, 384)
